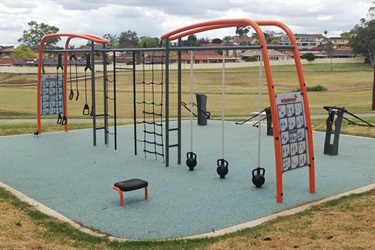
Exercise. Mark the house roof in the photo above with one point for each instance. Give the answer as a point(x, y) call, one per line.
point(6, 49)
point(314, 35)
point(243, 39)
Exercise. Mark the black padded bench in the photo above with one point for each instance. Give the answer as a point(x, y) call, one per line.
point(130, 185)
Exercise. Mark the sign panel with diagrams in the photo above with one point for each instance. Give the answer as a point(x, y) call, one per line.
point(52, 101)
point(292, 124)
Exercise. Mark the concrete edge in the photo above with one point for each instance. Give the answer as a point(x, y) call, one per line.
point(288, 212)
point(48, 211)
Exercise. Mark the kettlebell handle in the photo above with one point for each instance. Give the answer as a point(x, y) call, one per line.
point(258, 171)
point(222, 162)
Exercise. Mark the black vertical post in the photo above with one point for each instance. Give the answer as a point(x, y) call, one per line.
point(105, 96)
point(201, 109)
point(134, 104)
point(115, 98)
point(93, 104)
point(333, 148)
point(167, 102)
point(269, 121)
point(179, 90)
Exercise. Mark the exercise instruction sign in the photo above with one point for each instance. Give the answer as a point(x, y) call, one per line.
point(52, 101)
point(292, 126)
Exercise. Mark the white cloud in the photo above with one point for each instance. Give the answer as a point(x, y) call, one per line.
point(154, 18)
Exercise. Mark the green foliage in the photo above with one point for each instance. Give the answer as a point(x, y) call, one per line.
point(235, 53)
point(316, 88)
point(23, 52)
point(128, 39)
point(148, 42)
point(32, 37)
point(227, 40)
point(242, 31)
point(251, 59)
point(217, 41)
point(329, 48)
point(309, 57)
point(364, 40)
point(112, 40)
point(191, 41)
point(274, 41)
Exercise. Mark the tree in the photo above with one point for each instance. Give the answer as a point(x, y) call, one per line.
point(113, 40)
point(329, 50)
point(128, 39)
point(191, 41)
point(363, 42)
point(32, 37)
point(217, 41)
point(23, 52)
point(242, 31)
point(148, 42)
point(346, 35)
point(227, 40)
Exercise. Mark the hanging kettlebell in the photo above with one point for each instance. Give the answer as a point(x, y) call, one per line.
point(222, 168)
point(191, 160)
point(258, 177)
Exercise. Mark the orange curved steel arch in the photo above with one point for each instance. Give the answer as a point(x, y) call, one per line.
point(226, 23)
point(89, 37)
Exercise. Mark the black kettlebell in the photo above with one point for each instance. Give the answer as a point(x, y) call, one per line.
point(191, 160)
point(222, 168)
point(258, 177)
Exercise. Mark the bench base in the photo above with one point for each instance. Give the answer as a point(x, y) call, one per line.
point(130, 185)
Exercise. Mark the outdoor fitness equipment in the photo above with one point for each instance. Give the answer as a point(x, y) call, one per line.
point(61, 118)
point(258, 173)
point(191, 160)
point(222, 164)
point(334, 126)
point(86, 108)
point(71, 95)
point(268, 118)
point(276, 100)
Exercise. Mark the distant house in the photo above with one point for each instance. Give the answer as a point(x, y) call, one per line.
point(6, 51)
point(273, 55)
point(304, 41)
point(6, 55)
point(343, 52)
point(339, 41)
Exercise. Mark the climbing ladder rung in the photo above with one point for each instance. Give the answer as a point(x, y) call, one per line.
point(173, 145)
point(174, 129)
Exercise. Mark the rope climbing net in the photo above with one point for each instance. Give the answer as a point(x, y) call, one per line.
point(149, 99)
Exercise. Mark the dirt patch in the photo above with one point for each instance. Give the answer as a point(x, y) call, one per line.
point(10, 113)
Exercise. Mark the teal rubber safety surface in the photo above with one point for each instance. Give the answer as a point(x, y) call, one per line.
point(65, 172)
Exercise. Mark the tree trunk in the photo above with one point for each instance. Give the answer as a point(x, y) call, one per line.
point(373, 91)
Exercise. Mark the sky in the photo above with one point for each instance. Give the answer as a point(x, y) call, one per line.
point(157, 17)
